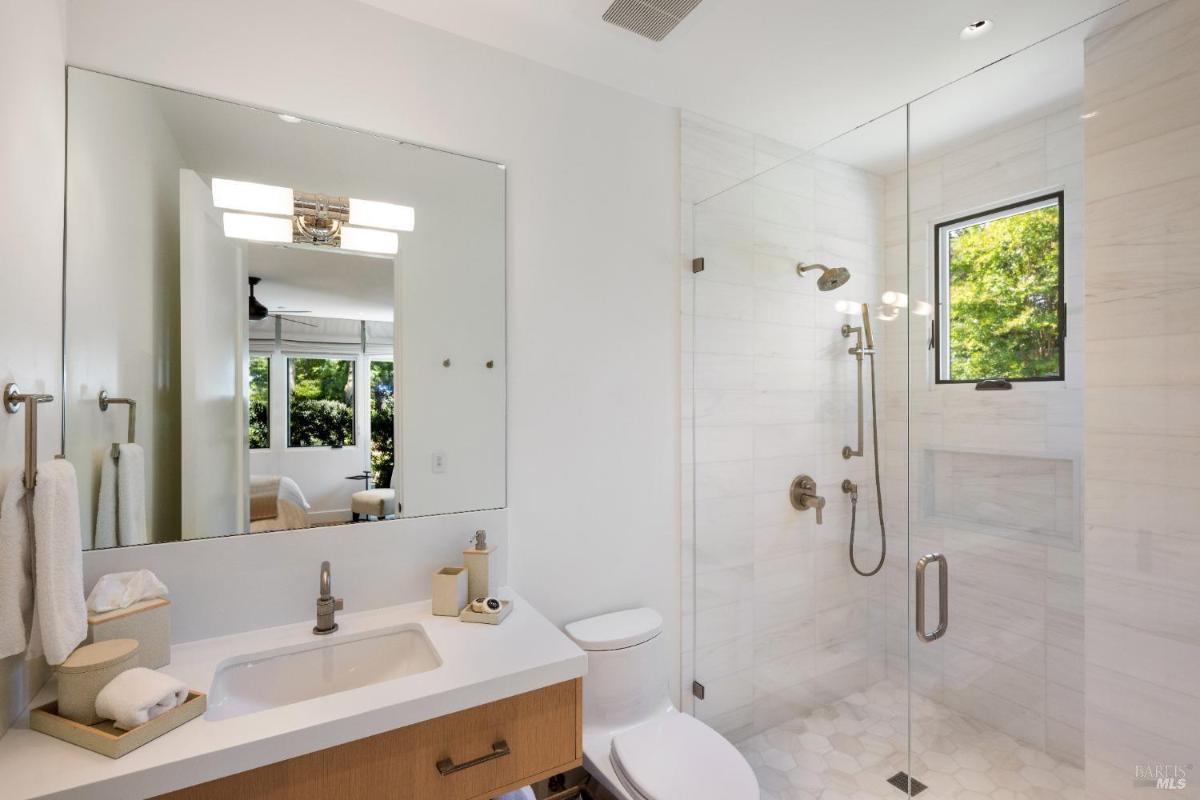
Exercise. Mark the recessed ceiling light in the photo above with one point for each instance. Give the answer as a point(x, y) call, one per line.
point(977, 29)
point(290, 118)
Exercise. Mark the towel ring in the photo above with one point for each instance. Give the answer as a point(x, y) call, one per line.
point(106, 401)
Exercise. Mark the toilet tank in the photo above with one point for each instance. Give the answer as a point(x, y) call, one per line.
point(627, 668)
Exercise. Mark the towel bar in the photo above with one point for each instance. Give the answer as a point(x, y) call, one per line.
point(106, 401)
point(13, 400)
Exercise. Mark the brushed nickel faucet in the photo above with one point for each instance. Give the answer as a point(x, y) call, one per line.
point(327, 604)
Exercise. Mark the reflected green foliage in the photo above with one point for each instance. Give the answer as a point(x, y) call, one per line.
point(321, 402)
point(383, 432)
point(260, 402)
point(1004, 297)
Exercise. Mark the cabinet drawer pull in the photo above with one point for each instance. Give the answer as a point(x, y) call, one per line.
point(447, 766)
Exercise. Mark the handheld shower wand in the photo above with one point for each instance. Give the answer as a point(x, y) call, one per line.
point(865, 346)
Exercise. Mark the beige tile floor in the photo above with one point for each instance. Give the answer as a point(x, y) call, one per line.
point(846, 751)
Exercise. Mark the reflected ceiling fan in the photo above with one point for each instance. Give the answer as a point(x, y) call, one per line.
point(259, 312)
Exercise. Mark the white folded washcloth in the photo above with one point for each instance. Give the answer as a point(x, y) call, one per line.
point(123, 589)
point(137, 696)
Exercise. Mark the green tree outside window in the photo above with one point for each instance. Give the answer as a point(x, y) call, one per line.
point(1004, 296)
point(260, 402)
point(383, 432)
point(320, 402)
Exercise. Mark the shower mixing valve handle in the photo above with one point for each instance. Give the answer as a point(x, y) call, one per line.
point(803, 494)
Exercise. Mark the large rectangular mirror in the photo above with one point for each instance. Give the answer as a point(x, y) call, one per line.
point(273, 323)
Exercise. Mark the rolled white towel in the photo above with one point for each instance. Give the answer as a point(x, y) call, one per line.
point(137, 696)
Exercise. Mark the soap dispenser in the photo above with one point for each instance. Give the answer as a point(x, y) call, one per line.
point(478, 560)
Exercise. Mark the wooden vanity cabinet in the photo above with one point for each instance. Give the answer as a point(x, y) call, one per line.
point(440, 759)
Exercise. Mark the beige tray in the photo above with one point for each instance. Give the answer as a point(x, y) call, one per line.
point(468, 615)
point(107, 739)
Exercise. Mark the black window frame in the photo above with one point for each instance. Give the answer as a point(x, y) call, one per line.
point(961, 222)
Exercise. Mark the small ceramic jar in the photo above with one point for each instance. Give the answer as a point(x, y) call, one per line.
point(87, 671)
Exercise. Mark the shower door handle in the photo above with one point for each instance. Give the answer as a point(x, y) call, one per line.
point(943, 598)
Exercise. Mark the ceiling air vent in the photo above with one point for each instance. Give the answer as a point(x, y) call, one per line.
point(653, 19)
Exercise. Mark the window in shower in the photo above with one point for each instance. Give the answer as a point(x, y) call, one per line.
point(1000, 294)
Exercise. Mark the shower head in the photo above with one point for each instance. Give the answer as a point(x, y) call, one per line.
point(831, 277)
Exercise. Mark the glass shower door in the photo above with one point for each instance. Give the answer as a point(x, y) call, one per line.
point(794, 390)
point(995, 351)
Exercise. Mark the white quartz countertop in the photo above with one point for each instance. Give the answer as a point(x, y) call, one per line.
point(480, 664)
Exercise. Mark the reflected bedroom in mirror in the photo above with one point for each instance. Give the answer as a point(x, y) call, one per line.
point(273, 323)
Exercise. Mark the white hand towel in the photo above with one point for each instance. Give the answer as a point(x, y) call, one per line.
point(123, 589)
point(60, 615)
point(131, 495)
point(137, 696)
point(106, 504)
point(16, 569)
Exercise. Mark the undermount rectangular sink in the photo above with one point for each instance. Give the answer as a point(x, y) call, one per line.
point(260, 681)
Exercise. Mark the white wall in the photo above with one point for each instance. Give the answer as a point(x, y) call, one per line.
point(593, 291)
point(212, 373)
point(242, 583)
point(31, 172)
point(1141, 429)
point(123, 258)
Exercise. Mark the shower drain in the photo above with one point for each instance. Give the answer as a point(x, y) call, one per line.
point(901, 781)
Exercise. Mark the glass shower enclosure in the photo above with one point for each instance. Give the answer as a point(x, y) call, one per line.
point(884, 437)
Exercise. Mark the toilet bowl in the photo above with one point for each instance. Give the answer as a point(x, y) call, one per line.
point(635, 742)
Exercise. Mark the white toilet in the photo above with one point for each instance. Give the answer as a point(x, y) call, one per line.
point(635, 742)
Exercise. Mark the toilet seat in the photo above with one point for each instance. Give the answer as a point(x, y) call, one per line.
point(677, 757)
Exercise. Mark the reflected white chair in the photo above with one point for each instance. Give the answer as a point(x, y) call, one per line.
point(378, 503)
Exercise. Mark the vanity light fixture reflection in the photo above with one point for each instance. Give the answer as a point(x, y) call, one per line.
point(374, 214)
point(370, 240)
point(257, 227)
point(348, 223)
point(259, 198)
point(848, 307)
point(897, 299)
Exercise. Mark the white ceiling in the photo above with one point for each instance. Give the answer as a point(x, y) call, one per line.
point(801, 71)
point(323, 282)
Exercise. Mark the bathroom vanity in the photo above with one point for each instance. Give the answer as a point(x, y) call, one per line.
point(398, 703)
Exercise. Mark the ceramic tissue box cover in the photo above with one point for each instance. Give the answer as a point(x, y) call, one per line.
point(87, 671)
point(147, 621)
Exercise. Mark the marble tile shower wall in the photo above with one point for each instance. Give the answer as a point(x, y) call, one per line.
point(995, 476)
point(1142, 411)
point(780, 623)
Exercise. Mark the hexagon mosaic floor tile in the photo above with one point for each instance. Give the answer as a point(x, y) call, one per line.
point(848, 749)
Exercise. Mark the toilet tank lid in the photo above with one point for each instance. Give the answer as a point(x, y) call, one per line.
point(617, 630)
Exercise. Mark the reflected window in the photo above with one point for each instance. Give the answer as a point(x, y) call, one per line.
point(383, 428)
point(1000, 294)
point(260, 402)
point(320, 402)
